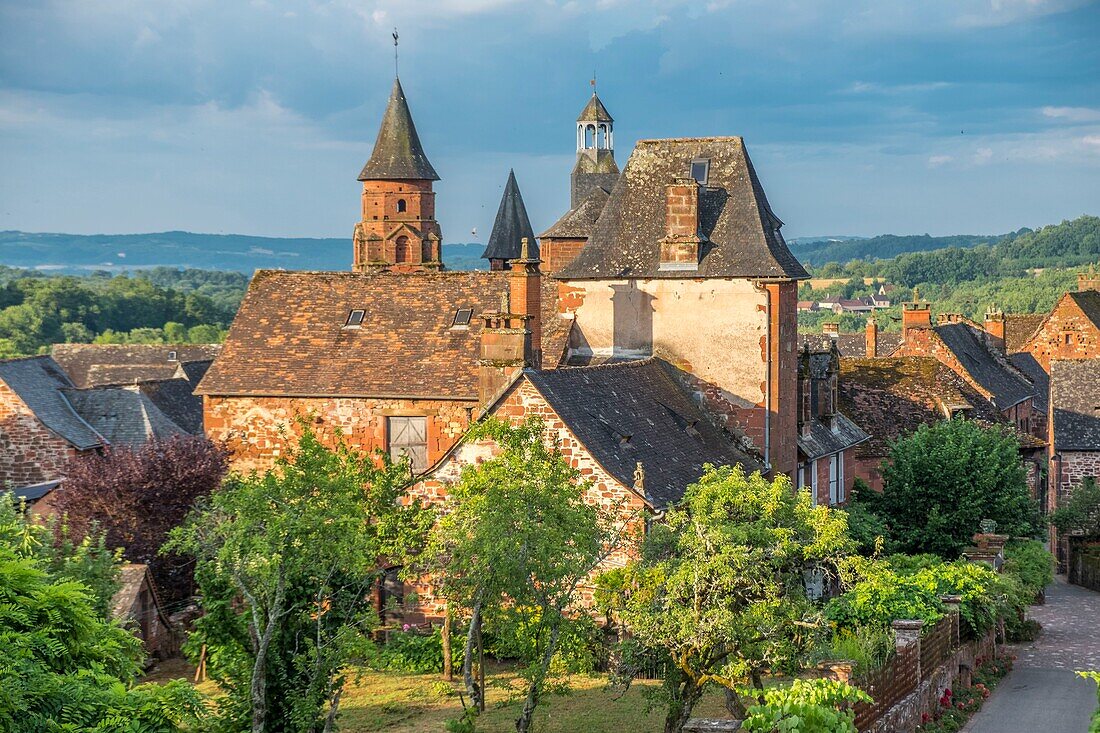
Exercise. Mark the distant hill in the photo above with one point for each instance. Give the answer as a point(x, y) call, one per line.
point(77, 253)
point(819, 250)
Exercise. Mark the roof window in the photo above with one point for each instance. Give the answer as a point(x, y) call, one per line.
point(355, 319)
point(700, 170)
point(462, 318)
point(172, 356)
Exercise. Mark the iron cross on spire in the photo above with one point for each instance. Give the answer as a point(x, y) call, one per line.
point(395, 52)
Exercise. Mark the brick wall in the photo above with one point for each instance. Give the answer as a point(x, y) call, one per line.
point(524, 401)
point(258, 430)
point(1066, 475)
point(556, 252)
point(867, 468)
point(30, 453)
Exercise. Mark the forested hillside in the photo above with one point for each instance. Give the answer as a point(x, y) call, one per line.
point(154, 306)
point(818, 251)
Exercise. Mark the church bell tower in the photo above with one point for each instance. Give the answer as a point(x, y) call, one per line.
point(398, 230)
point(596, 167)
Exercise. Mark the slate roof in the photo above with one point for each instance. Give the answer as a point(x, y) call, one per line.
point(1089, 302)
point(194, 371)
point(1033, 370)
point(889, 397)
point(90, 365)
point(824, 439)
point(594, 111)
point(34, 492)
point(1006, 387)
point(855, 344)
point(577, 223)
point(637, 411)
point(743, 238)
point(1019, 328)
point(289, 337)
point(511, 226)
point(1075, 397)
point(398, 154)
point(175, 398)
point(122, 415)
point(38, 381)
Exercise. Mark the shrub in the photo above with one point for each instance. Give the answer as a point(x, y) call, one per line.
point(806, 706)
point(1031, 564)
point(882, 596)
point(513, 634)
point(1094, 726)
point(868, 649)
point(415, 652)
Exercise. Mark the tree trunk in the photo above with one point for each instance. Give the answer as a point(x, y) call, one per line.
point(472, 688)
point(680, 711)
point(330, 719)
point(534, 690)
point(258, 689)
point(734, 705)
point(480, 667)
point(448, 666)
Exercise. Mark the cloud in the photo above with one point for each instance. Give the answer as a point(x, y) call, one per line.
point(1072, 114)
point(1092, 141)
point(935, 161)
point(863, 87)
point(982, 156)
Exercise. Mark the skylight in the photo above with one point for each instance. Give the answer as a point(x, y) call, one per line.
point(355, 319)
point(700, 170)
point(462, 317)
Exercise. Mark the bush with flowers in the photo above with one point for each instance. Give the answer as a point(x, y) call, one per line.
point(958, 703)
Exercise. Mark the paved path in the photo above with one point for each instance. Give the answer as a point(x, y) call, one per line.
point(1042, 693)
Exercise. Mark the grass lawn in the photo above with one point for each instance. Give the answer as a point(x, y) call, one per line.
point(405, 703)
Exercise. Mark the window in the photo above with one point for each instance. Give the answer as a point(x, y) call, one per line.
point(700, 171)
point(401, 249)
point(1067, 339)
point(355, 319)
point(408, 436)
point(401, 206)
point(835, 468)
point(172, 356)
point(813, 482)
point(462, 317)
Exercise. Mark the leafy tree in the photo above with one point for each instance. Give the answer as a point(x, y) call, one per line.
point(65, 668)
point(138, 495)
point(943, 479)
point(286, 563)
point(1082, 512)
point(518, 539)
point(719, 587)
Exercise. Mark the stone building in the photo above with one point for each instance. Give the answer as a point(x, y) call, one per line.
point(1074, 431)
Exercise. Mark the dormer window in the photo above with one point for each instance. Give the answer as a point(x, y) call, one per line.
point(172, 356)
point(462, 318)
point(700, 170)
point(355, 319)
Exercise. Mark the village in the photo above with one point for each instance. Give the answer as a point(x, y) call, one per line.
point(628, 378)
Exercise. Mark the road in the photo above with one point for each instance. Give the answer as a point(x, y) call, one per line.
point(1042, 693)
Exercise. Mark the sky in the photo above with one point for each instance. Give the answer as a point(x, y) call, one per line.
point(862, 117)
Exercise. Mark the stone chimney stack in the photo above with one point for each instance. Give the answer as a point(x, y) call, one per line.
point(681, 247)
point(511, 338)
point(994, 325)
point(872, 336)
point(832, 330)
point(916, 313)
point(1088, 280)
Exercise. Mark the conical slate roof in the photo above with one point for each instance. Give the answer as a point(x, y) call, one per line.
point(397, 151)
point(511, 226)
point(594, 111)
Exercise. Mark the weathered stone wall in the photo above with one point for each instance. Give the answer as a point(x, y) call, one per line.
point(30, 453)
point(1066, 474)
point(521, 402)
point(1066, 334)
point(258, 430)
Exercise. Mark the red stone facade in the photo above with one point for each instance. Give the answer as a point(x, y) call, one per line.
point(520, 402)
point(846, 478)
point(30, 453)
point(557, 252)
point(258, 430)
point(1067, 333)
point(398, 228)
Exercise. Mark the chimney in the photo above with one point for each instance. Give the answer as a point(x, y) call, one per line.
point(994, 325)
point(681, 247)
point(915, 314)
point(511, 338)
point(832, 330)
point(872, 336)
point(1088, 280)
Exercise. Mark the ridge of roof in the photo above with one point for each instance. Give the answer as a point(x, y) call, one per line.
point(511, 226)
point(1007, 386)
point(398, 154)
point(39, 382)
point(741, 230)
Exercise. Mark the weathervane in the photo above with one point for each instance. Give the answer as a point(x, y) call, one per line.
point(593, 82)
point(395, 52)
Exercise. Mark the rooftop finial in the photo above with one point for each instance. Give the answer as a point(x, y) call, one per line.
point(504, 306)
point(916, 294)
point(593, 82)
point(639, 477)
point(395, 53)
point(524, 249)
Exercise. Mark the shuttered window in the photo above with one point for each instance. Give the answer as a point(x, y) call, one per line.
point(408, 436)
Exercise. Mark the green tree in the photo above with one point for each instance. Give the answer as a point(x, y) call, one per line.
point(519, 537)
point(942, 480)
point(286, 561)
point(1082, 512)
point(205, 334)
point(175, 333)
point(719, 587)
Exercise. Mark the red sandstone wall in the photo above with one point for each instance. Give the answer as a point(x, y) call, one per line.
point(525, 401)
point(259, 429)
point(30, 453)
point(1066, 334)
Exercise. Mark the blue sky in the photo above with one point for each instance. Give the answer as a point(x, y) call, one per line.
point(862, 116)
